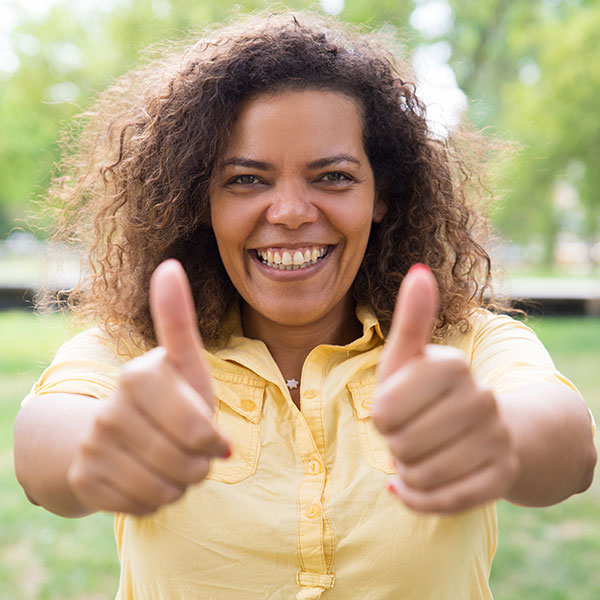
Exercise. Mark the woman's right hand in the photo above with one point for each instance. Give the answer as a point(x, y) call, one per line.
point(156, 435)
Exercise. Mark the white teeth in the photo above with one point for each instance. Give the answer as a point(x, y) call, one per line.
point(292, 259)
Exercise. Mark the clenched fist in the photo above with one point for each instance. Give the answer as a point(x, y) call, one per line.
point(450, 444)
point(155, 436)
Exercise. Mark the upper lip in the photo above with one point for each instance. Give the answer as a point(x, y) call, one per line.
point(289, 246)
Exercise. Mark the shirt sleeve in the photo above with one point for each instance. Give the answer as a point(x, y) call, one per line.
point(86, 365)
point(507, 355)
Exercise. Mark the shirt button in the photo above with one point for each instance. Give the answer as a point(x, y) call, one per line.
point(248, 405)
point(314, 467)
point(310, 394)
point(314, 510)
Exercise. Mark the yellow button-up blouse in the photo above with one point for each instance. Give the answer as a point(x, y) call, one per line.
point(301, 508)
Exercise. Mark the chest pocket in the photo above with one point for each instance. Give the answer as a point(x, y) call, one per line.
point(374, 446)
point(238, 414)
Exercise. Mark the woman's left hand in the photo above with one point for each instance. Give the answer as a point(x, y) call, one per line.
point(451, 447)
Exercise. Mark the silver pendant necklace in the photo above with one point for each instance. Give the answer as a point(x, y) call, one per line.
point(291, 383)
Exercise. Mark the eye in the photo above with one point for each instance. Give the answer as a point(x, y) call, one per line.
point(336, 176)
point(243, 180)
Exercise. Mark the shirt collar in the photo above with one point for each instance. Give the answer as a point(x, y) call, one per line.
point(254, 354)
point(234, 334)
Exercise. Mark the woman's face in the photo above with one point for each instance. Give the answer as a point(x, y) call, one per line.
point(292, 205)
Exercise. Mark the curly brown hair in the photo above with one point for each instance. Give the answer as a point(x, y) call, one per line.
point(136, 190)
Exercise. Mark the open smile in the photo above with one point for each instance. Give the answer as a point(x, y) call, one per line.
point(291, 259)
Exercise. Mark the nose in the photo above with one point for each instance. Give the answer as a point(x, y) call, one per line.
point(291, 206)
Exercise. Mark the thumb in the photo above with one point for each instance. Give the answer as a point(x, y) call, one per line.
point(175, 323)
point(413, 320)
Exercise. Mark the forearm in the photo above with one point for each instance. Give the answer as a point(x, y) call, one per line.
point(47, 433)
point(551, 429)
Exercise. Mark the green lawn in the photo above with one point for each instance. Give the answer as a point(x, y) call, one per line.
point(543, 554)
point(553, 553)
point(43, 556)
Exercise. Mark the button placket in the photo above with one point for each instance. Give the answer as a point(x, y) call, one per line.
point(313, 511)
point(315, 558)
point(310, 394)
point(314, 467)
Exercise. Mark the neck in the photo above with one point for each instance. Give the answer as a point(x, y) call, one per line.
point(290, 344)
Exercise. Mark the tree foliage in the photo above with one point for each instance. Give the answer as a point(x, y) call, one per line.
point(556, 117)
point(528, 68)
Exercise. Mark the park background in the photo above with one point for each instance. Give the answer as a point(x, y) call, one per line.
point(524, 73)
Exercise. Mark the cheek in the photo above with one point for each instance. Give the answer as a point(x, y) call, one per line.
point(225, 237)
point(358, 227)
point(228, 226)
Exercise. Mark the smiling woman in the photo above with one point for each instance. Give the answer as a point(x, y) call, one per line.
point(315, 196)
point(287, 165)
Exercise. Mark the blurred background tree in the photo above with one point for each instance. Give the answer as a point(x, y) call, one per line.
point(526, 69)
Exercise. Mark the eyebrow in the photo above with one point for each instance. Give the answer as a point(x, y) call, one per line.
point(239, 161)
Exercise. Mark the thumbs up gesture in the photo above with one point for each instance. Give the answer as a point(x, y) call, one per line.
point(450, 444)
point(156, 436)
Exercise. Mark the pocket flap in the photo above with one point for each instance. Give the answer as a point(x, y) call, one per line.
point(244, 395)
point(362, 392)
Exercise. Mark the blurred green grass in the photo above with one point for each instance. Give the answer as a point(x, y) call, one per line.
point(543, 554)
point(42, 556)
point(552, 553)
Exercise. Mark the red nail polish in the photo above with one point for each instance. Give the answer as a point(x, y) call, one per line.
point(392, 488)
point(419, 267)
point(227, 453)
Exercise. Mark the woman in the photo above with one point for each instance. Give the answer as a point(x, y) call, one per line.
point(287, 165)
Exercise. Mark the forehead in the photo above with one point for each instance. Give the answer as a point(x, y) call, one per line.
point(313, 121)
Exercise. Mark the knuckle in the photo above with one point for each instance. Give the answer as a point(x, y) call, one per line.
point(196, 469)
point(130, 376)
point(127, 377)
point(137, 510)
point(413, 504)
point(153, 450)
point(499, 435)
point(380, 413)
point(76, 475)
point(400, 448)
point(157, 494)
point(91, 445)
point(422, 478)
point(378, 418)
point(486, 400)
point(456, 365)
point(194, 437)
point(140, 368)
point(168, 493)
point(509, 468)
point(79, 479)
point(105, 423)
point(199, 434)
point(455, 502)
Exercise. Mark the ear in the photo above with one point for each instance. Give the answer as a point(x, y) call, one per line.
point(379, 210)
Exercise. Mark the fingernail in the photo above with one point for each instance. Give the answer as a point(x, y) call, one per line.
point(227, 453)
point(392, 487)
point(419, 267)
